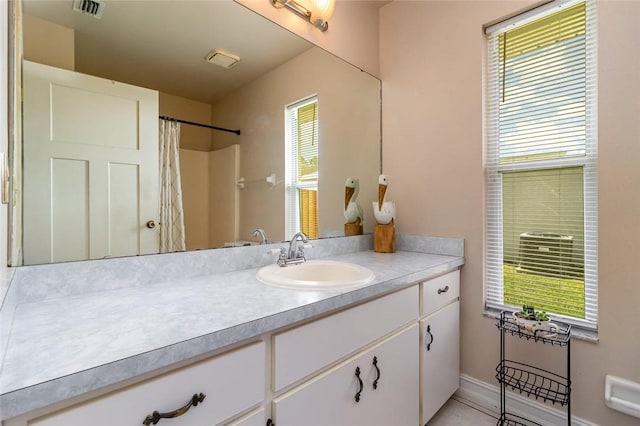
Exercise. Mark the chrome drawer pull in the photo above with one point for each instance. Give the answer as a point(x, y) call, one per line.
point(443, 290)
point(155, 417)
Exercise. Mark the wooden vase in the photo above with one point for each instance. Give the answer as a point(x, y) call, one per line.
point(352, 229)
point(384, 238)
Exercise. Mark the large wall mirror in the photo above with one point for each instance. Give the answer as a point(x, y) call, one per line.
point(94, 88)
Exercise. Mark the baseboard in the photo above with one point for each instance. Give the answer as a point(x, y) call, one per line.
point(487, 397)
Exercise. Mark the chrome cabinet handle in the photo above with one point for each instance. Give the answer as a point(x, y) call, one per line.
point(360, 382)
point(156, 416)
point(443, 290)
point(375, 364)
point(430, 335)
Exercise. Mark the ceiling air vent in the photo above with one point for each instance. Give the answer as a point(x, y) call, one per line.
point(89, 7)
point(221, 58)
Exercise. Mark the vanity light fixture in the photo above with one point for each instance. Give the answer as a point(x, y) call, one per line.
point(317, 12)
point(222, 59)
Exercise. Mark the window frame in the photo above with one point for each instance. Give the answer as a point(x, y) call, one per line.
point(493, 235)
point(293, 184)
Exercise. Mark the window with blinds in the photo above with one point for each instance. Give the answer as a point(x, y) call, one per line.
point(302, 168)
point(541, 192)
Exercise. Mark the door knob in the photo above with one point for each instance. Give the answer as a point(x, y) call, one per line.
point(151, 224)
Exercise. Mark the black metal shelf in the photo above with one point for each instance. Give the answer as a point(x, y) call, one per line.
point(530, 380)
point(560, 338)
point(534, 381)
point(507, 419)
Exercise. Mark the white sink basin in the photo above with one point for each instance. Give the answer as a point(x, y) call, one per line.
point(316, 275)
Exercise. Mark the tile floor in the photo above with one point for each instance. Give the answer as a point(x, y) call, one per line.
point(457, 413)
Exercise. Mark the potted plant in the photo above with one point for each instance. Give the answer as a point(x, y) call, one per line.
point(530, 320)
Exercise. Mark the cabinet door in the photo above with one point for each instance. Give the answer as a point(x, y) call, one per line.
point(395, 399)
point(440, 359)
point(329, 399)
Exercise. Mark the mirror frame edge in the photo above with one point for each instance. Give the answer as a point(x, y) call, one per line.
point(14, 77)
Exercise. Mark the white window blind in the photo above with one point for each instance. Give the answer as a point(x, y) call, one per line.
point(541, 191)
point(301, 173)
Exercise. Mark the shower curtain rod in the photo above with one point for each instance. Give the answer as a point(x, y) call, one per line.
point(164, 117)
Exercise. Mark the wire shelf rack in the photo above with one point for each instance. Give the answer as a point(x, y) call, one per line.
point(530, 380)
point(508, 419)
point(560, 338)
point(534, 381)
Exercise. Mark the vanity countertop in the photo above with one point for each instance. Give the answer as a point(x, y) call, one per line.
point(63, 347)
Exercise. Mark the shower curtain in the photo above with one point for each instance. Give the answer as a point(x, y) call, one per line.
point(172, 232)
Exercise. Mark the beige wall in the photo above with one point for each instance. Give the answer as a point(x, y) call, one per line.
point(352, 34)
point(48, 43)
point(194, 170)
point(431, 67)
point(223, 195)
point(191, 137)
point(349, 138)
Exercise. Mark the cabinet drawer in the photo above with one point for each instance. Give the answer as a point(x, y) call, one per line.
point(254, 418)
point(232, 382)
point(440, 291)
point(308, 348)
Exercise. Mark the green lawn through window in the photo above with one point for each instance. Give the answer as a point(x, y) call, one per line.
point(555, 295)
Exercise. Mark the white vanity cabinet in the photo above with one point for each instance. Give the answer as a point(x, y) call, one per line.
point(393, 360)
point(232, 382)
point(440, 343)
point(345, 394)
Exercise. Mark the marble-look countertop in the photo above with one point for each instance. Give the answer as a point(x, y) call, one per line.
point(64, 347)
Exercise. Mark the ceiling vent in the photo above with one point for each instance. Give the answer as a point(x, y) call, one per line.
point(222, 59)
point(89, 7)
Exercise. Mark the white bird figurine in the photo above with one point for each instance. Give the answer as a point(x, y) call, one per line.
point(384, 211)
point(352, 211)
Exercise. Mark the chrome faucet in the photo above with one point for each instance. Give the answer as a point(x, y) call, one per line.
point(296, 251)
point(263, 235)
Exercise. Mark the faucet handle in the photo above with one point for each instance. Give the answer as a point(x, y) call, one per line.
point(282, 255)
point(301, 248)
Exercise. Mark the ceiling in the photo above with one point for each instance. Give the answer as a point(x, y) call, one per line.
point(163, 44)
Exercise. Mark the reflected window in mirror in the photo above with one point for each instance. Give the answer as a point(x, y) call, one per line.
point(301, 174)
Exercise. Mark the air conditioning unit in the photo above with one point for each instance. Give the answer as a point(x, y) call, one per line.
point(546, 254)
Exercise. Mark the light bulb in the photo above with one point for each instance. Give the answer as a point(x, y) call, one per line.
point(321, 11)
